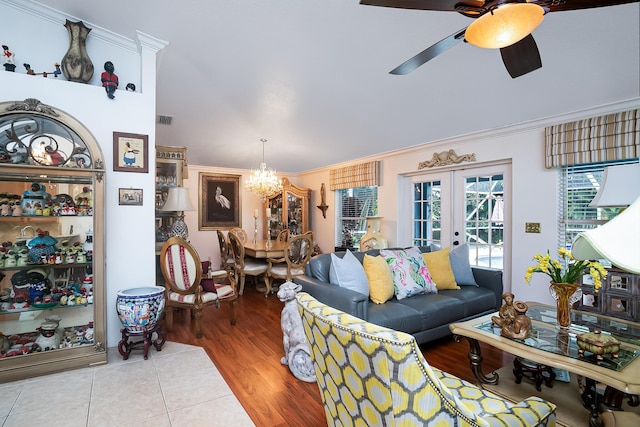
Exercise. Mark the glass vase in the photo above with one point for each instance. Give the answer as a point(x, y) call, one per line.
point(565, 294)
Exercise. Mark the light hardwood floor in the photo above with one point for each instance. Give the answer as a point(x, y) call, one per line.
point(248, 357)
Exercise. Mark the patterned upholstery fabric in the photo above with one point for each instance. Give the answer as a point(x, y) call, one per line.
point(370, 375)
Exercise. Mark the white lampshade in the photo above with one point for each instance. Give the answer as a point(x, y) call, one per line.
point(505, 25)
point(620, 186)
point(617, 241)
point(178, 200)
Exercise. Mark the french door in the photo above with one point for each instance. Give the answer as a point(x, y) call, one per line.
point(470, 206)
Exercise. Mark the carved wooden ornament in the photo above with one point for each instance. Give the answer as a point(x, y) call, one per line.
point(445, 158)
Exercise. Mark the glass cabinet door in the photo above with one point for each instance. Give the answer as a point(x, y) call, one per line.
point(52, 309)
point(274, 215)
point(294, 213)
point(288, 209)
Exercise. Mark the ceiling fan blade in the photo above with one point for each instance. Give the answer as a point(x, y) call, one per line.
point(429, 53)
point(449, 5)
point(522, 57)
point(559, 6)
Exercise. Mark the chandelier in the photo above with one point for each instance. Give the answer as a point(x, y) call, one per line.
point(263, 181)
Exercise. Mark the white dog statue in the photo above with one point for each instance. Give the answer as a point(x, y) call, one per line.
point(296, 348)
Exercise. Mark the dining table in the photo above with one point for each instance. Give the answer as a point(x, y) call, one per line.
point(259, 249)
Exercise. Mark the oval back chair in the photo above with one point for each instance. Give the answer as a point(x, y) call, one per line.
point(242, 235)
point(226, 257)
point(185, 286)
point(283, 235)
point(244, 266)
point(297, 253)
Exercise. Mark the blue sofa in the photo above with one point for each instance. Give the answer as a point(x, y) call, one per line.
point(426, 316)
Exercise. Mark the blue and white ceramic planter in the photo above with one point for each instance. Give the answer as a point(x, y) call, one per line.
point(139, 309)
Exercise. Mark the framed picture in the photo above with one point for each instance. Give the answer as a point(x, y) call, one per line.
point(130, 152)
point(219, 204)
point(130, 196)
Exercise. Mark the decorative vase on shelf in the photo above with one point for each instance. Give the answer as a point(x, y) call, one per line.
point(565, 294)
point(373, 239)
point(76, 64)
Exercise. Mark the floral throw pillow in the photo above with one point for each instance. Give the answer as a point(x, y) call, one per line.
point(410, 273)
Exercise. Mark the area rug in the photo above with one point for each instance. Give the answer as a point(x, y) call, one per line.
point(566, 396)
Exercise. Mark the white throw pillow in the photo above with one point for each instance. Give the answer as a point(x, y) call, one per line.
point(349, 273)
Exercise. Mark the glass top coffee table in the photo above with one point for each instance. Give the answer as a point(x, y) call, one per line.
point(552, 346)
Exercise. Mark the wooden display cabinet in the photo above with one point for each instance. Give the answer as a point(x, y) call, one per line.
point(619, 295)
point(52, 303)
point(171, 170)
point(288, 209)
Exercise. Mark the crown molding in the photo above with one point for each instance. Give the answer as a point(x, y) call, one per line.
point(528, 126)
point(46, 13)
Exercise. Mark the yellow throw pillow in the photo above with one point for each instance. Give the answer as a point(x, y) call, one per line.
point(439, 266)
point(380, 279)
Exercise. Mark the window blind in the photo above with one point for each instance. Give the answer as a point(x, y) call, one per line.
point(360, 175)
point(577, 186)
point(596, 139)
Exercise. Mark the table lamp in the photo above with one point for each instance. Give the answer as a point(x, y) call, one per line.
point(619, 239)
point(178, 201)
point(620, 186)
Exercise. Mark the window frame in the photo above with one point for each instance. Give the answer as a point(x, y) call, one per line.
point(357, 223)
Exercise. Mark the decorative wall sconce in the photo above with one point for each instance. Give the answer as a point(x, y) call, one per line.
point(323, 201)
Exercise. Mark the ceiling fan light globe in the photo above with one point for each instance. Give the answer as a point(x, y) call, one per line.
point(504, 25)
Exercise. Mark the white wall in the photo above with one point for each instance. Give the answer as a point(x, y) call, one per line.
point(534, 190)
point(130, 240)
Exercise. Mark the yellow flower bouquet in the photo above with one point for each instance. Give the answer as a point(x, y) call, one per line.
point(566, 269)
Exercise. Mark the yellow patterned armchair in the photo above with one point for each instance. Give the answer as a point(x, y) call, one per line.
point(373, 376)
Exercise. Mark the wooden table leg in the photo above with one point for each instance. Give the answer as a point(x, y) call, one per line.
point(475, 358)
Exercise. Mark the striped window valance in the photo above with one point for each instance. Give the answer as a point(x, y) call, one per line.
point(597, 139)
point(360, 175)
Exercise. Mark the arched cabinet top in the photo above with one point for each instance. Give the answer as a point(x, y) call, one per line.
point(33, 134)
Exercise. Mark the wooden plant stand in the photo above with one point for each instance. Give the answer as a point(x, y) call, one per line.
point(125, 346)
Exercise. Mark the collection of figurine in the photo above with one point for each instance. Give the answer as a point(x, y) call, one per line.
point(108, 78)
point(33, 287)
point(37, 202)
point(49, 336)
point(43, 249)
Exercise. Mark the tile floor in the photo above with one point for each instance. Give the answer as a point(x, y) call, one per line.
point(135, 392)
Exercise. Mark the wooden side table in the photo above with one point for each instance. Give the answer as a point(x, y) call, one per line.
point(125, 346)
point(537, 372)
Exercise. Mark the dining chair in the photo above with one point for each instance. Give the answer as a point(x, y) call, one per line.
point(226, 257)
point(185, 286)
point(245, 266)
point(283, 235)
point(242, 235)
point(297, 253)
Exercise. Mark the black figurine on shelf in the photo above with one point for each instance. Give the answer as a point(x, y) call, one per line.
point(8, 63)
point(29, 70)
point(109, 79)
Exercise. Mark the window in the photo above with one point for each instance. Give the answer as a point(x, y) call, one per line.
point(353, 206)
point(427, 207)
point(577, 187)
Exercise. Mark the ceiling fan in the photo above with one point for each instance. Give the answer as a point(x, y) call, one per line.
point(518, 50)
